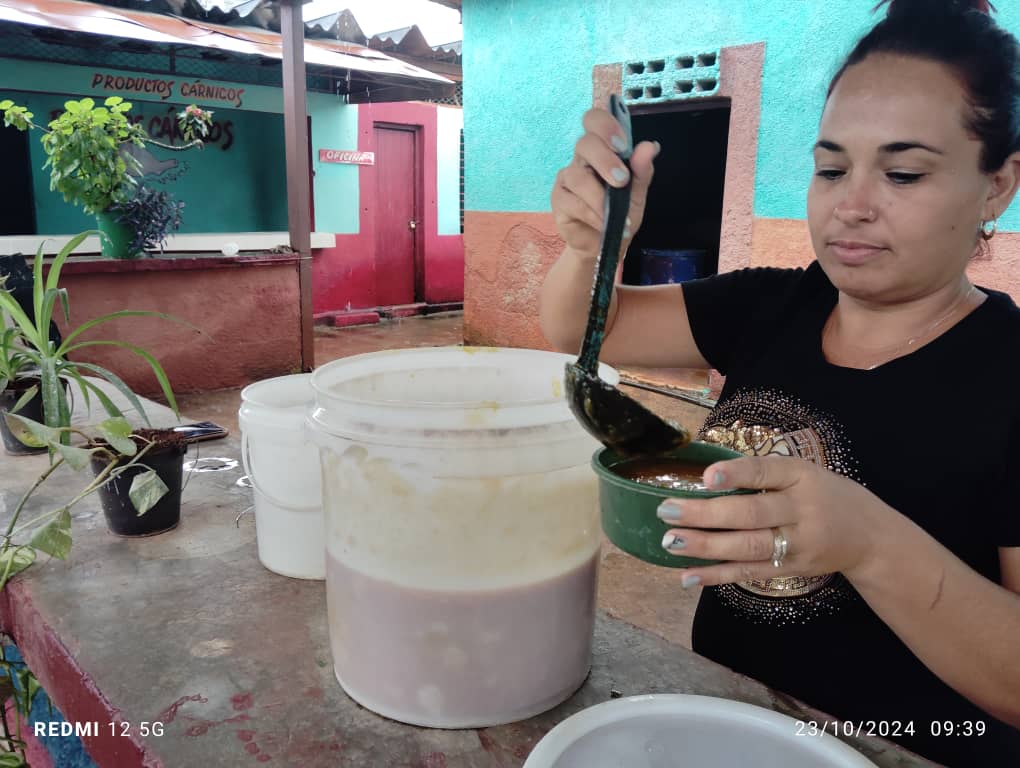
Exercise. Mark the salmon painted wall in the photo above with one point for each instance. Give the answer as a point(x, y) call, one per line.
point(254, 340)
point(345, 277)
point(524, 117)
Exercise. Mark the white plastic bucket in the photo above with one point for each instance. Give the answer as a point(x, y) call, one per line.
point(283, 465)
point(462, 532)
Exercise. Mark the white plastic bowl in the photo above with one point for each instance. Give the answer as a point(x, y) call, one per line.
point(684, 731)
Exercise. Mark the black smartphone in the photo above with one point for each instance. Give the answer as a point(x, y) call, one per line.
point(201, 431)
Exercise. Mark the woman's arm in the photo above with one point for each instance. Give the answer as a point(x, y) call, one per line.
point(963, 627)
point(645, 326)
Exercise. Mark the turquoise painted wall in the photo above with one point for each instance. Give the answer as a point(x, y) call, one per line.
point(528, 65)
point(337, 201)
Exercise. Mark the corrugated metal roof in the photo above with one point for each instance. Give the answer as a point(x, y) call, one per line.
point(340, 26)
point(164, 29)
point(408, 40)
point(451, 48)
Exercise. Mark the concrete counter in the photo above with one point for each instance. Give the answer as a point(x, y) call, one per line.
point(186, 629)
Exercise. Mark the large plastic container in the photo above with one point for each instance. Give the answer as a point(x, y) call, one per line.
point(283, 465)
point(462, 533)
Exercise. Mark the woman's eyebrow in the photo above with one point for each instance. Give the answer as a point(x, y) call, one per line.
point(888, 149)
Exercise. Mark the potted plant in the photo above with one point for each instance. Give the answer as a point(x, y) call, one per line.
point(19, 393)
point(115, 452)
point(52, 358)
point(19, 379)
point(84, 154)
point(148, 218)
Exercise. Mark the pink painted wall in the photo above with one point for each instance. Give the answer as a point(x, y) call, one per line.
point(246, 312)
point(345, 277)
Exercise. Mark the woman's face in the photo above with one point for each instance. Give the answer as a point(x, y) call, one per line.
point(897, 195)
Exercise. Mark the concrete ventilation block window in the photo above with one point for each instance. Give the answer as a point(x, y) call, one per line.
point(677, 77)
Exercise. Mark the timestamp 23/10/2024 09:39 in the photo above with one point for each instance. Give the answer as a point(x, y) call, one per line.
point(889, 728)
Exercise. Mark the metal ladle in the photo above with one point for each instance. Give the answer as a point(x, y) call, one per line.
point(617, 421)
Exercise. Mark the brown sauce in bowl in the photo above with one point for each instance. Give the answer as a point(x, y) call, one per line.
point(672, 474)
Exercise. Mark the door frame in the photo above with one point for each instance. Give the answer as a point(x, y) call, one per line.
point(418, 176)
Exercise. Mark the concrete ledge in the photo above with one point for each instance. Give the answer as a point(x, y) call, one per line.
point(198, 242)
point(172, 262)
point(403, 310)
point(345, 319)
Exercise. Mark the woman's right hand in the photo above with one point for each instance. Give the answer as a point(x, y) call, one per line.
point(578, 196)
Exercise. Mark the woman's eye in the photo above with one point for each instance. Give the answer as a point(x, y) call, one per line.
point(900, 177)
point(830, 174)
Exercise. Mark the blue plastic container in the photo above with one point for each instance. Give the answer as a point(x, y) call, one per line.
point(659, 267)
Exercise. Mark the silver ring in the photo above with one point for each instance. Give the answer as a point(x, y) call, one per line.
point(780, 546)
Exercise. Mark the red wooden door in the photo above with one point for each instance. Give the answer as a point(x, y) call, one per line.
point(397, 222)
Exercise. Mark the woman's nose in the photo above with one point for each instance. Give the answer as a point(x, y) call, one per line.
point(855, 207)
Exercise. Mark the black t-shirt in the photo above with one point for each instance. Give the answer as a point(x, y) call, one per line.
point(935, 434)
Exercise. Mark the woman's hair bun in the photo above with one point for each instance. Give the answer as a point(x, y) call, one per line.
point(927, 7)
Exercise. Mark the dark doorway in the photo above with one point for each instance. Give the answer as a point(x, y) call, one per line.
point(685, 200)
point(17, 214)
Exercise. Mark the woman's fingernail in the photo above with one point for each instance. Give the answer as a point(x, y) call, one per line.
point(627, 222)
point(673, 542)
point(626, 234)
point(658, 148)
point(718, 479)
point(619, 174)
point(689, 581)
point(668, 512)
point(619, 143)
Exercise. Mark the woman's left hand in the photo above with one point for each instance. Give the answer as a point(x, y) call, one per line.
point(830, 522)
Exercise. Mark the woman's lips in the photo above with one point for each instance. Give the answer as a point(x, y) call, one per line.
point(852, 252)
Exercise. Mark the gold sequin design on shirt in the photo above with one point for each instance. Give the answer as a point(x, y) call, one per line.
point(762, 423)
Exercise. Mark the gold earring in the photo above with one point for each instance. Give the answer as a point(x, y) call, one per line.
point(987, 233)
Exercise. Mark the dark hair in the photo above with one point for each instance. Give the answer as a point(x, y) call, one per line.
point(961, 35)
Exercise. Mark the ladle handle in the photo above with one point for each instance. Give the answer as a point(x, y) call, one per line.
point(617, 205)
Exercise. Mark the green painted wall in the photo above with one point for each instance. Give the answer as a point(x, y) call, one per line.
point(233, 184)
point(238, 182)
point(528, 69)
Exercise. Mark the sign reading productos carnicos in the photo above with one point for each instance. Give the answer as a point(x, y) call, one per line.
point(187, 90)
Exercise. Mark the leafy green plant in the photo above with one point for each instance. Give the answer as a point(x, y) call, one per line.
point(53, 360)
point(83, 147)
point(14, 359)
point(50, 532)
point(17, 685)
point(150, 216)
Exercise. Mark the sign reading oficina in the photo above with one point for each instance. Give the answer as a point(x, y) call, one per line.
point(346, 156)
point(188, 90)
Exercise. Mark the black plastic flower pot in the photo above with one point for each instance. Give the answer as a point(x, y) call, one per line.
point(122, 518)
point(33, 410)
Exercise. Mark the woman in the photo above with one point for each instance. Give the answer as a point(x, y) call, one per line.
point(880, 579)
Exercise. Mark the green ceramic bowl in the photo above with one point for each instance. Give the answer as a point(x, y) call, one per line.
point(629, 507)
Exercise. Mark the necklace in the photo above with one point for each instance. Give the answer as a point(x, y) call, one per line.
point(871, 357)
